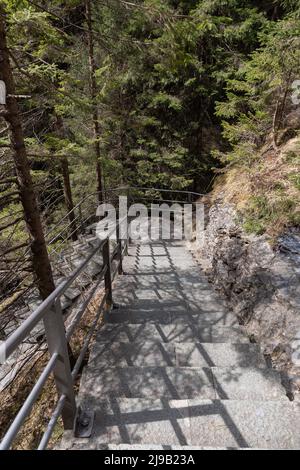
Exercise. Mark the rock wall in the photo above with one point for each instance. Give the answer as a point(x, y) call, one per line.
point(260, 283)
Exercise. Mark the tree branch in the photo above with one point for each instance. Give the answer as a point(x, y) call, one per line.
point(14, 248)
point(15, 222)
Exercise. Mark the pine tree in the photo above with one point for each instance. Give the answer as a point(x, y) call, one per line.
point(40, 259)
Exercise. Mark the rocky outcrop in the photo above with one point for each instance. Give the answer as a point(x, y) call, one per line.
point(261, 283)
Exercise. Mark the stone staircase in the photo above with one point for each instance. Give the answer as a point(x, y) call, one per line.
point(172, 369)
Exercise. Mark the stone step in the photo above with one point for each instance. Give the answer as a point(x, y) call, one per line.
point(85, 251)
point(181, 383)
point(177, 314)
point(89, 272)
point(155, 353)
point(151, 353)
point(162, 289)
point(155, 311)
point(91, 229)
point(94, 242)
point(188, 279)
point(34, 301)
point(72, 292)
point(65, 302)
point(183, 331)
point(145, 267)
point(219, 355)
point(162, 260)
point(80, 444)
point(138, 382)
point(248, 383)
point(139, 447)
point(81, 281)
point(92, 268)
point(193, 300)
point(78, 244)
point(197, 423)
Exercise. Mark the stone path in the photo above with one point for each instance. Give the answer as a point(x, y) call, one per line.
point(171, 367)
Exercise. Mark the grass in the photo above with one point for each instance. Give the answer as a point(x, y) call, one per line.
point(266, 194)
point(262, 214)
point(295, 180)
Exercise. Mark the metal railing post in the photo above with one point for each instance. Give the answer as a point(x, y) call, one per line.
point(107, 277)
point(80, 217)
point(119, 244)
point(57, 344)
point(50, 313)
point(127, 242)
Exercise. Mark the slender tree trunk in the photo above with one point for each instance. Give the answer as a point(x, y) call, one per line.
point(93, 90)
point(279, 113)
point(40, 260)
point(275, 125)
point(68, 197)
point(67, 184)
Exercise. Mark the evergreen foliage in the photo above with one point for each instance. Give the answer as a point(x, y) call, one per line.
point(182, 87)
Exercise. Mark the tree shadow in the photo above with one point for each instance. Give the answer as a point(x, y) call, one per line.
point(166, 344)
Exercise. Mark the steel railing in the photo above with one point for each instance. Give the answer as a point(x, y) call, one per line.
point(57, 340)
point(50, 312)
point(85, 210)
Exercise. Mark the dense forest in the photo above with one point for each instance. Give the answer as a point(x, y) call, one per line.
point(198, 95)
point(166, 94)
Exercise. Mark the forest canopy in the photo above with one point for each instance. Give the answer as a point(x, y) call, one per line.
point(146, 93)
point(175, 82)
point(97, 95)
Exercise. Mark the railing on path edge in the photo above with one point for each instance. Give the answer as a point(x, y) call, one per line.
point(58, 337)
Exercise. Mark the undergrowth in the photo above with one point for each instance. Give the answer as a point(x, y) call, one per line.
point(267, 193)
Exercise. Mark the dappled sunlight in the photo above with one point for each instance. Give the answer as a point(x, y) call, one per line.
point(171, 360)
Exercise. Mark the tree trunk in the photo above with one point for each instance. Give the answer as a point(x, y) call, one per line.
point(67, 184)
point(93, 90)
point(40, 260)
point(68, 198)
point(275, 124)
point(279, 112)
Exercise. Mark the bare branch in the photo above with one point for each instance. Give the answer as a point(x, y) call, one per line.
point(9, 195)
point(15, 222)
point(14, 248)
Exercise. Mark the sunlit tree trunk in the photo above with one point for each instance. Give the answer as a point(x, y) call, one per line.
point(93, 89)
point(64, 165)
point(40, 260)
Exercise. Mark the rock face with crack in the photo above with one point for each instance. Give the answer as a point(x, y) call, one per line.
point(261, 283)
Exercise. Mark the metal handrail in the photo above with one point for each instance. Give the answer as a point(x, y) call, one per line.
point(55, 336)
point(118, 189)
point(28, 404)
point(130, 188)
point(70, 212)
point(27, 326)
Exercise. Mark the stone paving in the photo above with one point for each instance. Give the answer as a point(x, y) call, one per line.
point(171, 368)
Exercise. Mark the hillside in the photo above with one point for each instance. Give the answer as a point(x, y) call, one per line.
point(266, 194)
